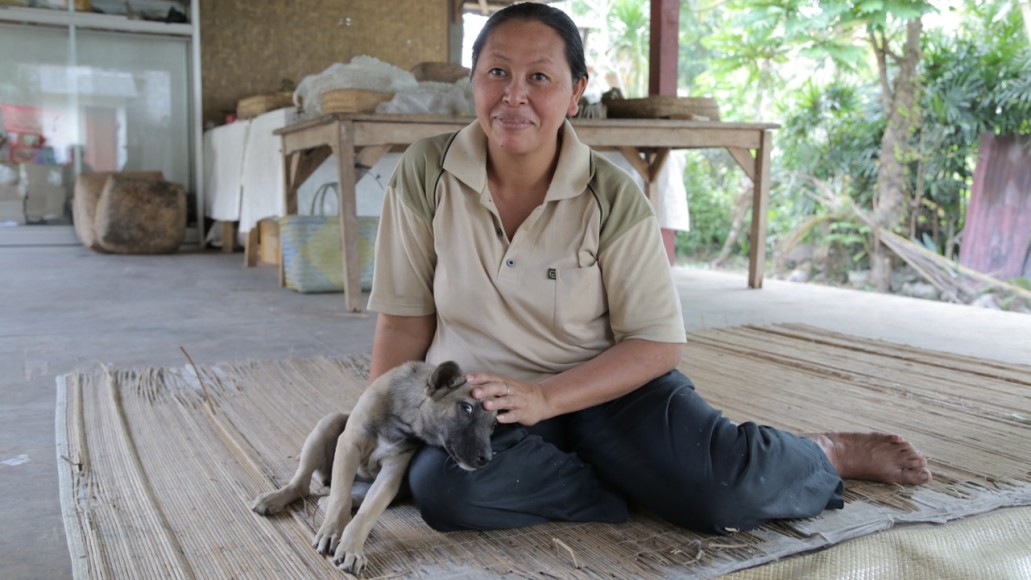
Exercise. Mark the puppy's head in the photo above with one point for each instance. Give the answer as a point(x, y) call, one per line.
point(458, 422)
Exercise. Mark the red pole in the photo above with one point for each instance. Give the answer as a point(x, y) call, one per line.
point(662, 52)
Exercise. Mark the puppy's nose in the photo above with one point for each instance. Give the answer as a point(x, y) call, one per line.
point(483, 459)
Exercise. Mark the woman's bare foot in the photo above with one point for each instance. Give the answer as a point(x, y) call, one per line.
point(874, 457)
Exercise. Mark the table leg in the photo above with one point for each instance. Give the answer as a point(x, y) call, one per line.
point(760, 201)
point(228, 237)
point(347, 179)
point(251, 247)
point(291, 164)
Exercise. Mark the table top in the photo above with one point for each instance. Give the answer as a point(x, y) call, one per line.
point(397, 130)
point(577, 122)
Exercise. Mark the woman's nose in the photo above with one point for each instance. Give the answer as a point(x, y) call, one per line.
point(515, 91)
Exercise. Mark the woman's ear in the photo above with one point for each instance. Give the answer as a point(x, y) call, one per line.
point(578, 91)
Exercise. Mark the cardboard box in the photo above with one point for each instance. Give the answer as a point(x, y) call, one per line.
point(268, 241)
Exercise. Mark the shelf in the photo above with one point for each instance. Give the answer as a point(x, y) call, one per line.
point(92, 21)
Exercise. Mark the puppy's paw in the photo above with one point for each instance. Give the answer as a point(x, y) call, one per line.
point(328, 537)
point(272, 502)
point(349, 559)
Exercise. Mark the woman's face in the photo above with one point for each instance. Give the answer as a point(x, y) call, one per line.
point(523, 86)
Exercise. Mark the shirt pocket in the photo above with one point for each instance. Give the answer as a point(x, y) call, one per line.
point(580, 302)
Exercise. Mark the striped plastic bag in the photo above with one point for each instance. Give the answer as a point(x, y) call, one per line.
point(311, 253)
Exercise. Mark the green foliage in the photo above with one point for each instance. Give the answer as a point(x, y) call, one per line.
point(810, 67)
point(853, 238)
point(712, 184)
point(830, 138)
point(693, 57)
point(630, 22)
point(624, 47)
point(976, 81)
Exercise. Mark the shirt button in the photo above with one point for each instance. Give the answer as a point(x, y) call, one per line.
point(497, 231)
point(510, 263)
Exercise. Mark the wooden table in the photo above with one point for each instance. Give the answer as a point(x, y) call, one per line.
point(644, 142)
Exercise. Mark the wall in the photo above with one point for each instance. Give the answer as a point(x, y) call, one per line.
point(248, 46)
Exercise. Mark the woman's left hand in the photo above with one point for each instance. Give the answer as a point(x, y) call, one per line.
point(515, 401)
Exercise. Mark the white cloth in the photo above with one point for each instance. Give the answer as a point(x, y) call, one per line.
point(369, 191)
point(243, 174)
point(223, 169)
point(262, 177)
point(671, 209)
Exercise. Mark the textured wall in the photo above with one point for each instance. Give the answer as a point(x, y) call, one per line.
point(249, 46)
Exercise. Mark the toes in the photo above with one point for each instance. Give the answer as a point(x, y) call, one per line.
point(262, 509)
point(915, 476)
point(914, 463)
point(350, 562)
point(324, 544)
point(897, 439)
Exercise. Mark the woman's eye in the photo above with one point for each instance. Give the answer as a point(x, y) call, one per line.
point(539, 77)
point(467, 408)
point(496, 72)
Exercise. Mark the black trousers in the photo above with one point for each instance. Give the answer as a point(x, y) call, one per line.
point(661, 448)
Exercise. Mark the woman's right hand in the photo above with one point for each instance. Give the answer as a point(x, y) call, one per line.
point(515, 401)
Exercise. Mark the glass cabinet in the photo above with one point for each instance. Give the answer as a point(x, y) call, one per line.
point(91, 86)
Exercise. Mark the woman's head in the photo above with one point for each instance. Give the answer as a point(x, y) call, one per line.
point(547, 15)
point(528, 75)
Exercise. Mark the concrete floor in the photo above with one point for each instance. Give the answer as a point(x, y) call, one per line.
point(66, 308)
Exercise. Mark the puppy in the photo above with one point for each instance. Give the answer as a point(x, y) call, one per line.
point(410, 405)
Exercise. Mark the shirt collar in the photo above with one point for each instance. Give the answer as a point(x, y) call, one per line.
point(466, 159)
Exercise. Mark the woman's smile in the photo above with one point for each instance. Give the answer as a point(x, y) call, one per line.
point(512, 122)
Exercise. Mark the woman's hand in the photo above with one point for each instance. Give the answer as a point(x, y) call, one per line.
point(515, 401)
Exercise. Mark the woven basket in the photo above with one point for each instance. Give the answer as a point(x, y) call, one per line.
point(353, 100)
point(664, 107)
point(441, 72)
point(253, 106)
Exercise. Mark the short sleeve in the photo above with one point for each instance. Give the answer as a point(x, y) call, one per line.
point(643, 302)
point(405, 256)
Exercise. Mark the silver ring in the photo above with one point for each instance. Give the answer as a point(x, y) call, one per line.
point(508, 389)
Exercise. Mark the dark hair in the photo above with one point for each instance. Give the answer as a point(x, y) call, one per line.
point(551, 17)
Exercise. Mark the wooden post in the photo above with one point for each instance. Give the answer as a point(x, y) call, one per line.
point(662, 51)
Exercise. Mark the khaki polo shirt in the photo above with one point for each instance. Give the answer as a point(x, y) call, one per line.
point(586, 270)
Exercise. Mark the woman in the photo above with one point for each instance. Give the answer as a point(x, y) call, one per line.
point(513, 249)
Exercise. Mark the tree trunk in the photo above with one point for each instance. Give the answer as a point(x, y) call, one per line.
point(903, 116)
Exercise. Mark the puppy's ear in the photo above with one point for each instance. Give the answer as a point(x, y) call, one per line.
point(445, 378)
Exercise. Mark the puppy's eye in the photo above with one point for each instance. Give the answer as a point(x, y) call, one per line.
point(467, 408)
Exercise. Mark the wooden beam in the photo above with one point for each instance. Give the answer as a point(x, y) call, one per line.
point(633, 156)
point(662, 51)
point(744, 160)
